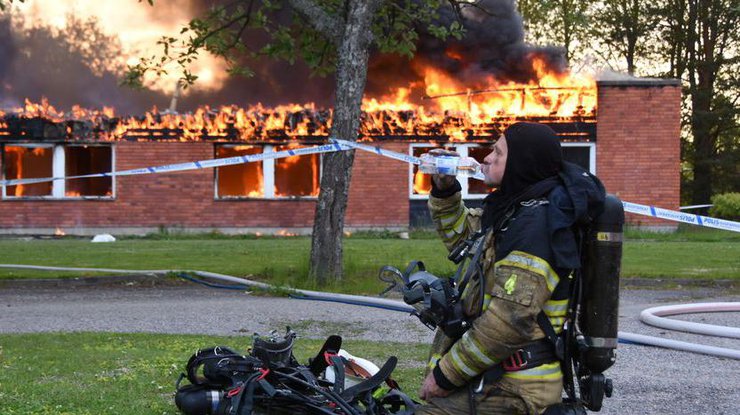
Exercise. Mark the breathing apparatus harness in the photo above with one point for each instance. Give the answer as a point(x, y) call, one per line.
point(225, 382)
point(586, 346)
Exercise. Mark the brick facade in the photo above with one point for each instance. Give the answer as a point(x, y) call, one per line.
point(378, 198)
point(638, 145)
point(637, 158)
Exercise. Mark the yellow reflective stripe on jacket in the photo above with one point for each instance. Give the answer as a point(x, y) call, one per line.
point(546, 371)
point(532, 263)
point(556, 311)
point(486, 301)
point(458, 363)
point(557, 323)
point(556, 307)
point(476, 350)
point(452, 218)
point(433, 360)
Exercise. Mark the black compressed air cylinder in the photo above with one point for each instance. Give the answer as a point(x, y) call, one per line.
point(600, 311)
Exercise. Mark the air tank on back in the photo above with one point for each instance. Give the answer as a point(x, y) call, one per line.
point(600, 312)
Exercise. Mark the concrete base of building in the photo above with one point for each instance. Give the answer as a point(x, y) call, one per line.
point(140, 231)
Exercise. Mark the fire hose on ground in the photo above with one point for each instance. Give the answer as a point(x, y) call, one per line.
point(652, 316)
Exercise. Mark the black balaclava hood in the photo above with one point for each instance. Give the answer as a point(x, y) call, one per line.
point(534, 154)
point(533, 161)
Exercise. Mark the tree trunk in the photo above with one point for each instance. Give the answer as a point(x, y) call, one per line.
point(704, 143)
point(703, 72)
point(328, 227)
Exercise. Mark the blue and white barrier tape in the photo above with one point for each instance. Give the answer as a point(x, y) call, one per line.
point(194, 165)
point(683, 217)
point(653, 211)
point(387, 153)
point(341, 145)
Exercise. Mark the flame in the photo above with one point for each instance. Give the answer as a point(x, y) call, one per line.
point(284, 232)
point(136, 26)
point(296, 175)
point(451, 110)
point(59, 232)
point(422, 183)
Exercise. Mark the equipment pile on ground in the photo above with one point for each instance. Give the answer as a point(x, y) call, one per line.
point(270, 380)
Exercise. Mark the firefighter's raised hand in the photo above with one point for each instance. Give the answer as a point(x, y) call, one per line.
point(443, 181)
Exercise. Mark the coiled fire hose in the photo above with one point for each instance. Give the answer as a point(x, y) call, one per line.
point(653, 316)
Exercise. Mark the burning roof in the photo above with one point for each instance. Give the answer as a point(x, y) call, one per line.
point(446, 112)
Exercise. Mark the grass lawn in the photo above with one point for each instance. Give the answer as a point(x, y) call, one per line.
point(705, 254)
point(135, 374)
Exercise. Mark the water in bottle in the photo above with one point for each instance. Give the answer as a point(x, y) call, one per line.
point(449, 165)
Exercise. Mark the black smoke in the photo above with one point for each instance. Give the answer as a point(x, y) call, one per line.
point(38, 63)
point(493, 45)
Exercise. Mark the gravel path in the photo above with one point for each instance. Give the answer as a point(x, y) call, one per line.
point(647, 380)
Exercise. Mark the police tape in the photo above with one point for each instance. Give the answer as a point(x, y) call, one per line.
point(636, 208)
point(683, 217)
point(342, 145)
point(193, 165)
point(387, 153)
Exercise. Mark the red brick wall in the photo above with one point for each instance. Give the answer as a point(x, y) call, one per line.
point(379, 197)
point(638, 144)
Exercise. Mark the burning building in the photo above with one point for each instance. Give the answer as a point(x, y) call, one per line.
point(460, 94)
point(630, 140)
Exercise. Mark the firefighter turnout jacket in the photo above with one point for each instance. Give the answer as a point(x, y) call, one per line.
point(520, 283)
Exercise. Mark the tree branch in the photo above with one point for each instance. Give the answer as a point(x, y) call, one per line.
point(329, 26)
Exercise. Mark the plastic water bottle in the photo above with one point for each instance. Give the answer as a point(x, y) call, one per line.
point(449, 165)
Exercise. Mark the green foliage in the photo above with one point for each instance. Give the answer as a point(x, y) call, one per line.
point(726, 205)
point(230, 31)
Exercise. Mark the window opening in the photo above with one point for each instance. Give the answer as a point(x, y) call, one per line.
point(82, 160)
point(28, 162)
point(239, 180)
point(296, 175)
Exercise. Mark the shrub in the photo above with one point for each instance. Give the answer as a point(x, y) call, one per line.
point(726, 205)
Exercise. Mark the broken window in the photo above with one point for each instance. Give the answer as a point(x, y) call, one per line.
point(239, 180)
point(84, 160)
point(40, 161)
point(296, 175)
point(28, 162)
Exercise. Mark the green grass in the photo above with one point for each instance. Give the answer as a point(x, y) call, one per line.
point(685, 233)
point(122, 374)
point(688, 253)
point(280, 261)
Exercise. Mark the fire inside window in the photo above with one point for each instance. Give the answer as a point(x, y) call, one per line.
point(239, 180)
point(296, 176)
point(39, 161)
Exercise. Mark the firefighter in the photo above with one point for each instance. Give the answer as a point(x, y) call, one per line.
point(503, 362)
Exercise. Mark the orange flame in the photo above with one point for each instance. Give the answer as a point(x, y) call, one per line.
point(450, 109)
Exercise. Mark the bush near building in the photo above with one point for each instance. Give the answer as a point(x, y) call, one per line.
point(726, 206)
